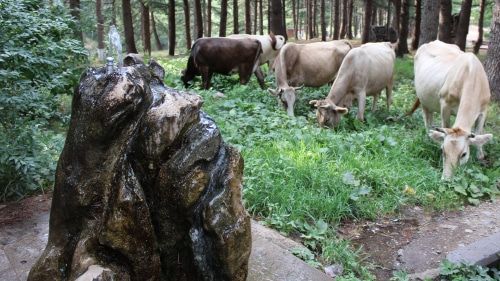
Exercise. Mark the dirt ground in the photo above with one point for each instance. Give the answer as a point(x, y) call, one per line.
point(416, 241)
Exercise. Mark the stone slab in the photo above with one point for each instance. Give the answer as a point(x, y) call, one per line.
point(482, 252)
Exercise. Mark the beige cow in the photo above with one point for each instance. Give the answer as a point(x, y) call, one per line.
point(271, 45)
point(448, 81)
point(365, 71)
point(314, 65)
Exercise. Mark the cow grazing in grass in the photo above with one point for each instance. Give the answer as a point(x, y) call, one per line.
point(365, 71)
point(223, 55)
point(314, 65)
point(448, 81)
point(271, 45)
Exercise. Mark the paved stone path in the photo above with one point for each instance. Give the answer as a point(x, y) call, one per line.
point(21, 243)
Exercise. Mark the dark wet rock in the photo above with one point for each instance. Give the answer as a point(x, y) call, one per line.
point(145, 189)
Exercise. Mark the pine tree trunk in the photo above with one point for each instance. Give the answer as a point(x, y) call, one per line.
point(277, 18)
point(146, 29)
point(204, 16)
point(323, 23)
point(331, 18)
point(309, 19)
point(314, 22)
point(74, 6)
point(223, 18)
point(255, 16)
point(187, 25)
point(388, 23)
point(236, 28)
point(128, 27)
point(463, 24)
point(113, 13)
point(367, 20)
point(403, 32)
point(268, 16)
point(397, 16)
point(261, 18)
point(171, 27)
point(374, 17)
point(480, 23)
point(336, 21)
point(209, 18)
point(492, 63)
point(418, 20)
point(343, 26)
point(294, 18)
point(155, 32)
point(101, 52)
point(199, 19)
point(445, 21)
point(284, 19)
point(349, 19)
point(248, 17)
point(429, 22)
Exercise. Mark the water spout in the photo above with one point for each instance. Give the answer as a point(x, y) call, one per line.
point(115, 43)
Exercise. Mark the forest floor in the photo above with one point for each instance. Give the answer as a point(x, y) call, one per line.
point(414, 241)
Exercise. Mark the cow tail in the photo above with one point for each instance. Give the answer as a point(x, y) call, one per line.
point(273, 40)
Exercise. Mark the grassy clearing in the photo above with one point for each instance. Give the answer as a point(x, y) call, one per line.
point(299, 178)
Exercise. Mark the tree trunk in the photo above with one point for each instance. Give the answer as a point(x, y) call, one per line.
point(309, 19)
point(128, 27)
point(277, 18)
point(113, 13)
point(403, 31)
point(255, 16)
point(336, 21)
point(374, 17)
point(349, 19)
point(284, 19)
point(187, 25)
point(204, 16)
point(418, 20)
point(492, 63)
point(268, 16)
point(367, 20)
point(429, 22)
point(323, 23)
point(479, 41)
point(388, 23)
point(236, 28)
point(294, 18)
point(101, 52)
point(343, 26)
point(463, 24)
point(445, 21)
point(248, 17)
point(74, 6)
point(396, 16)
point(155, 32)
point(171, 27)
point(199, 18)
point(261, 18)
point(223, 18)
point(331, 19)
point(314, 22)
point(146, 30)
point(209, 18)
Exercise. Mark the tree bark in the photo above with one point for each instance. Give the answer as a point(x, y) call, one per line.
point(294, 17)
point(418, 20)
point(199, 19)
point(283, 7)
point(223, 18)
point(261, 18)
point(209, 18)
point(128, 27)
point(349, 19)
point(155, 32)
point(343, 26)
point(445, 21)
point(248, 17)
point(396, 16)
point(374, 17)
point(367, 20)
point(268, 16)
point(336, 21)
point(429, 22)
point(236, 28)
point(463, 24)
point(100, 30)
point(187, 25)
point(113, 13)
point(331, 19)
point(492, 63)
point(146, 29)
point(403, 30)
point(277, 18)
point(309, 15)
point(314, 21)
point(171, 27)
point(255, 9)
point(323, 23)
point(74, 6)
point(480, 23)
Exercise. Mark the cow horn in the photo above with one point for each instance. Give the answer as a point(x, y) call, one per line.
point(441, 130)
point(314, 102)
point(298, 88)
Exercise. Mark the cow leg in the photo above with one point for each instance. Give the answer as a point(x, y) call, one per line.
point(375, 100)
point(479, 130)
point(388, 94)
point(445, 115)
point(427, 117)
point(260, 77)
point(207, 76)
point(361, 105)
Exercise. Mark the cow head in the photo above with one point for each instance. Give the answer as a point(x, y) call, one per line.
point(277, 41)
point(327, 113)
point(286, 97)
point(190, 72)
point(455, 146)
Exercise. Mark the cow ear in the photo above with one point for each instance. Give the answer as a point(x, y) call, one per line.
point(273, 92)
point(480, 139)
point(341, 110)
point(437, 136)
point(314, 103)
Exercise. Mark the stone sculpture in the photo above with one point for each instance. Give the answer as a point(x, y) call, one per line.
point(145, 189)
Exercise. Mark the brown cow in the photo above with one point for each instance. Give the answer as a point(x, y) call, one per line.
point(223, 55)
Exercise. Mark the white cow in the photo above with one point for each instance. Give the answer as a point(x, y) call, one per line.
point(271, 45)
point(313, 65)
point(448, 81)
point(365, 71)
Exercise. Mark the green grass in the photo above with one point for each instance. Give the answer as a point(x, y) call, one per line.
point(297, 173)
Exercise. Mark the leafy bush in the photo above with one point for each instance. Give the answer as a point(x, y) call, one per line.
point(465, 272)
point(39, 63)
